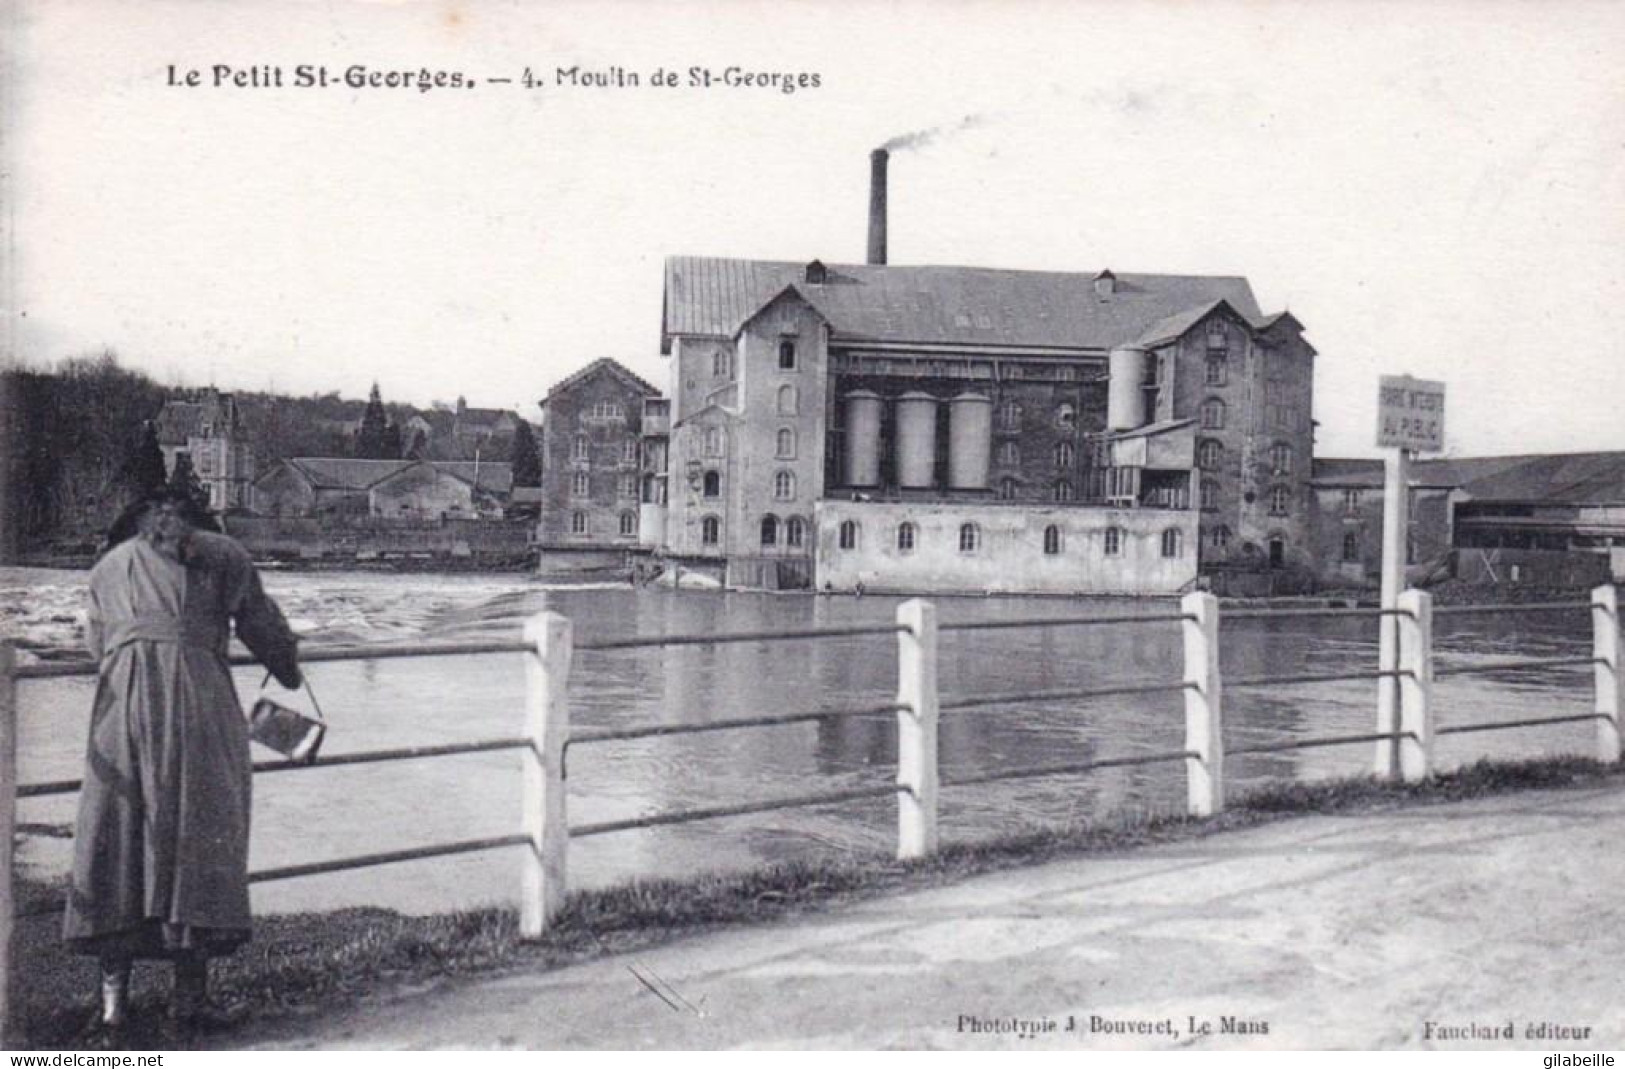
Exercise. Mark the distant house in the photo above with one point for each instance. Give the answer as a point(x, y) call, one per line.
point(384, 489)
point(208, 429)
point(478, 425)
point(592, 472)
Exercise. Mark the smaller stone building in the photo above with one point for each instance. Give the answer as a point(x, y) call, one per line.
point(1348, 504)
point(592, 459)
point(416, 490)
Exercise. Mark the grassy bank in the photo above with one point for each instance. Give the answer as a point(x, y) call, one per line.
point(307, 963)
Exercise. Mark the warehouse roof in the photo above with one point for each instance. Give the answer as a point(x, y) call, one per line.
point(713, 297)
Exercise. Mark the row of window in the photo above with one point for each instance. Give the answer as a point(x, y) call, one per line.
point(1210, 456)
point(627, 522)
point(792, 530)
point(784, 485)
point(722, 359)
point(626, 485)
point(850, 534)
point(582, 450)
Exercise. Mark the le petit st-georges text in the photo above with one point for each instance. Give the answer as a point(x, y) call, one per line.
point(362, 76)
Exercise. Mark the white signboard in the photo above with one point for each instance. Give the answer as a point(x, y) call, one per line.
point(1410, 413)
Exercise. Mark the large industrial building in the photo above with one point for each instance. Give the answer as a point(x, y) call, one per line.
point(889, 426)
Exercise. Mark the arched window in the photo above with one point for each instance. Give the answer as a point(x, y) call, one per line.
point(582, 447)
point(1114, 541)
point(713, 441)
point(795, 532)
point(1010, 454)
point(1280, 501)
point(787, 400)
point(713, 484)
point(1063, 454)
point(787, 354)
point(1008, 488)
point(1351, 547)
point(770, 530)
point(1219, 537)
point(905, 537)
point(578, 523)
point(1062, 490)
point(1066, 416)
point(1170, 542)
point(1281, 458)
point(1218, 369)
point(784, 486)
point(970, 538)
point(629, 524)
point(1210, 495)
point(1212, 414)
point(580, 484)
point(849, 534)
point(1209, 455)
point(1010, 415)
point(1052, 540)
point(710, 531)
point(786, 444)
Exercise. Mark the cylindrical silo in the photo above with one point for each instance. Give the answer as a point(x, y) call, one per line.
point(970, 441)
point(916, 440)
point(862, 438)
point(1125, 399)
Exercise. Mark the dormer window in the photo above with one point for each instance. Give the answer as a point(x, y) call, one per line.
point(1105, 284)
point(816, 273)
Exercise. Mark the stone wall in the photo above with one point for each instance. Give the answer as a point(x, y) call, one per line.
point(1010, 553)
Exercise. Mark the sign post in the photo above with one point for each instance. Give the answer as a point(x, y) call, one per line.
point(1410, 417)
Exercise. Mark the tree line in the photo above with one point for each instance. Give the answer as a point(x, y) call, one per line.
point(77, 443)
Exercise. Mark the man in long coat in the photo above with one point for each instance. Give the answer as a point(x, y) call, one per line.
point(161, 847)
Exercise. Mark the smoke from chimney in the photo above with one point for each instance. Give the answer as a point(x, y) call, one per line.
point(877, 205)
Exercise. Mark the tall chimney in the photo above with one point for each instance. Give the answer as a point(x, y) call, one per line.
point(877, 205)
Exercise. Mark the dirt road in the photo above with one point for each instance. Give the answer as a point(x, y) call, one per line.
point(1432, 926)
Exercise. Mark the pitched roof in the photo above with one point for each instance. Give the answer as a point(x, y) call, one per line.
point(345, 473)
point(179, 421)
point(1544, 479)
point(349, 473)
point(603, 363)
point(713, 297)
point(1173, 327)
point(1534, 479)
point(495, 476)
point(1364, 474)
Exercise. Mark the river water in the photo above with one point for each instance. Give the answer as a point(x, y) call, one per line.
point(337, 812)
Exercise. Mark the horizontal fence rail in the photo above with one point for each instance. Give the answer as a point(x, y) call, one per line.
point(1404, 748)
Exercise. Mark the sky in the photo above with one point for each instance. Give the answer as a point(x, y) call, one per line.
point(1432, 188)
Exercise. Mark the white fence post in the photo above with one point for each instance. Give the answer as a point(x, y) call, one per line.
point(916, 729)
point(547, 723)
point(1610, 657)
point(1204, 704)
point(1415, 685)
point(8, 827)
